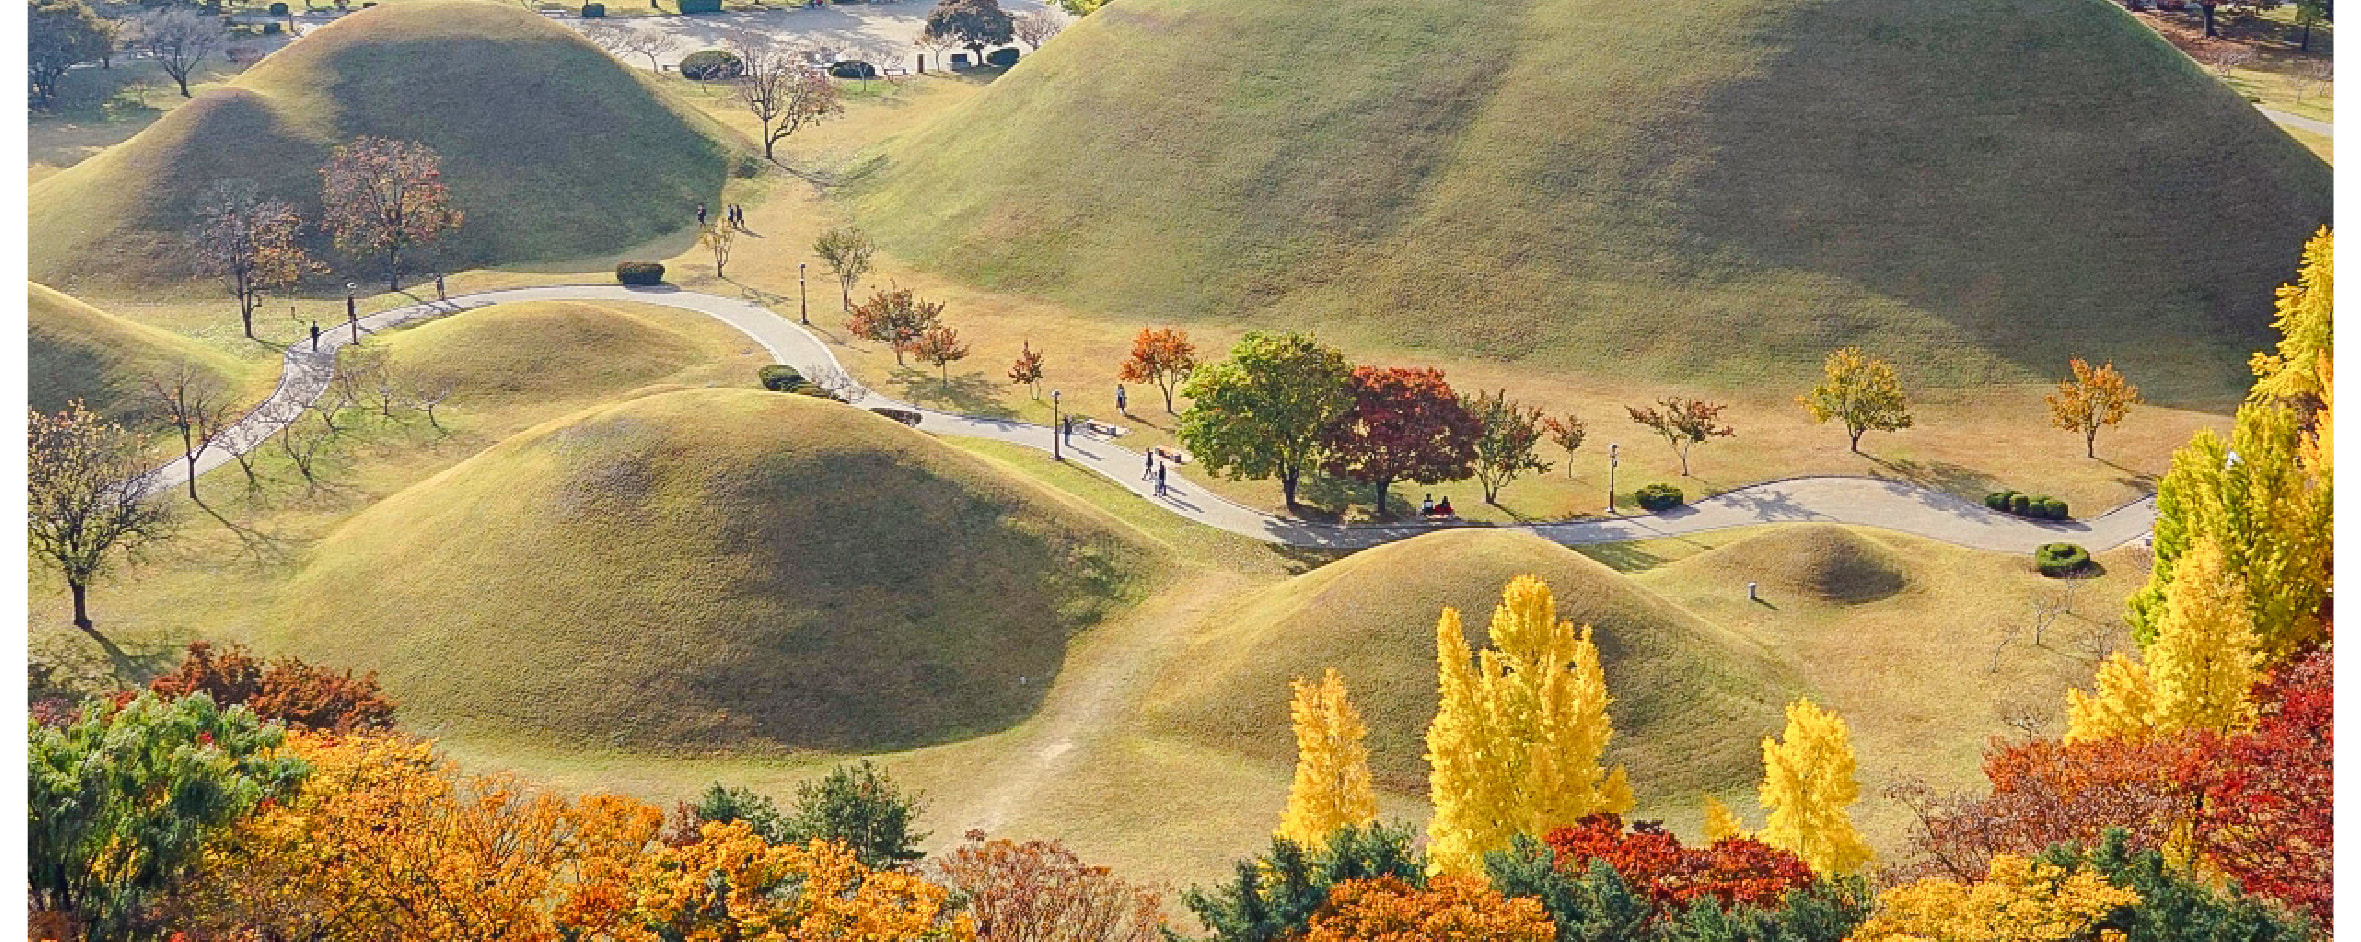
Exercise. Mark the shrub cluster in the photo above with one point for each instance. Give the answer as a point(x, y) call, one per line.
point(1658, 497)
point(2060, 559)
point(1001, 57)
point(853, 69)
point(780, 377)
point(712, 65)
point(640, 273)
point(2037, 507)
point(592, 11)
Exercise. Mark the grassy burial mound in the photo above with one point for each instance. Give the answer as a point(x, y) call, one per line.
point(554, 356)
point(553, 150)
point(714, 569)
point(1823, 563)
point(1692, 701)
point(75, 351)
point(1714, 189)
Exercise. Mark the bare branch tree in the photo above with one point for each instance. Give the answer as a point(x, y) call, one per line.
point(194, 402)
point(783, 91)
point(1038, 26)
point(305, 445)
point(427, 396)
point(179, 39)
point(2227, 58)
point(356, 381)
point(624, 41)
point(89, 485)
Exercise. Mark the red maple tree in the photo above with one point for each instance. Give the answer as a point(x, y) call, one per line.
point(386, 196)
point(2269, 817)
point(287, 689)
point(1405, 424)
point(1653, 861)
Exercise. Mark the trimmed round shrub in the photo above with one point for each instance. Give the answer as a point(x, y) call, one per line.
point(853, 69)
point(271, 29)
point(708, 65)
point(1001, 57)
point(1657, 497)
point(780, 378)
point(2019, 503)
point(278, 9)
point(640, 273)
point(592, 11)
point(2053, 508)
point(1998, 500)
point(2060, 559)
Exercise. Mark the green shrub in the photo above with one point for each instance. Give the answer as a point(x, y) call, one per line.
point(592, 11)
point(853, 69)
point(861, 806)
point(2060, 559)
point(270, 29)
point(2019, 504)
point(1998, 500)
point(1001, 57)
point(712, 65)
point(780, 378)
point(278, 9)
point(1657, 497)
point(640, 273)
point(700, 6)
point(2053, 508)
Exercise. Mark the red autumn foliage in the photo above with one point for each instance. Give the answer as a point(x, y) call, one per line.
point(2046, 792)
point(2269, 816)
point(1405, 424)
point(286, 689)
point(1729, 872)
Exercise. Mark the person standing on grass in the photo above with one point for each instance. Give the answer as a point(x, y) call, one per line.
point(700, 214)
point(1121, 407)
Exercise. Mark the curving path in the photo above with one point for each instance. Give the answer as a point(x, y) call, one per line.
point(1891, 505)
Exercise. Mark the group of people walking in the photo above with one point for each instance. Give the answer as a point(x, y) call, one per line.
point(734, 214)
point(1155, 472)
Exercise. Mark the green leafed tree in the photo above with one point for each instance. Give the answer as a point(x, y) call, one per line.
point(62, 34)
point(861, 806)
point(1261, 413)
point(973, 24)
point(1506, 446)
point(123, 799)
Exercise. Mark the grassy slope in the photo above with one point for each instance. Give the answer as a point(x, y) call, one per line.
point(1971, 187)
point(552, 149)
point(75, 351)
point(1690, 697)
point(725, 568)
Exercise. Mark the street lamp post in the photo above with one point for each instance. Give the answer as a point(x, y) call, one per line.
point(1611, 462)
point(352, 314)
point(803, 293)
point(1054, 452)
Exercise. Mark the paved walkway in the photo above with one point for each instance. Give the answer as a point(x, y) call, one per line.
point(1891, 505)
point(2298, 122)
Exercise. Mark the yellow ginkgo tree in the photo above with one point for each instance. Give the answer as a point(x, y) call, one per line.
point(1332, 788)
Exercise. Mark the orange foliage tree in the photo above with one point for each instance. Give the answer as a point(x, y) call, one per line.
point(732, 885)
point(1163, 357)
point(1448, 909)
point(1038, 891)
point(1731, 871)
point(286, 689)
point(2092, 400)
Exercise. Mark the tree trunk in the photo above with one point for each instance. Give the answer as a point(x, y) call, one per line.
point(183, 79)
point(1287, 479)
point(2305, 44)
point(1168, 400)
point(847, 287)
point(1382, 512)
point(246, 314)
point(81, 612)
point(1684, 461)
point(2090, 443)
point(1857, 433)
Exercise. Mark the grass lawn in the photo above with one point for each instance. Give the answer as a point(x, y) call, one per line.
point(98, 108)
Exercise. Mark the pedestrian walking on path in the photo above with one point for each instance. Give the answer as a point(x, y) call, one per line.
point(315, 336)
point(1160, 470)
point(439, 295)
point(1149, 473)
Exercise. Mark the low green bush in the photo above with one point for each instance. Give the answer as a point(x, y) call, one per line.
point(1658, 497)
point(640, 273)
point(853, 69)
point(1001, 57)
point(271, 29)
point(278, 9)
point(780, 378)
point(712, 65)
point(2020, 504)
point(700, 6)
point(592, 11)
point(1998, 500)
point(2060, 559)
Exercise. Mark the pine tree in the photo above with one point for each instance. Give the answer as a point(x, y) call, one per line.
point(1720, 822)
point(1808, 785)
point(1517, 742)
point(1332, 784)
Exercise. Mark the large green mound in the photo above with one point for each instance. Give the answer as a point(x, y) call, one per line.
point(1704, 189)
point(75, 351)
point(1692, 701)
point(714, 569)
point(541, 352)
point(554, 150)
point(1815, 562)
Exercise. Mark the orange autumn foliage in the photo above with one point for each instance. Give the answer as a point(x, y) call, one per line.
point(1449, 909)
point(732, 885)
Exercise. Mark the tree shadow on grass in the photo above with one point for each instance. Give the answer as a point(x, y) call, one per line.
point(967, 394)
point(1957, 480)
point(2139, 480)
point(1621, 557)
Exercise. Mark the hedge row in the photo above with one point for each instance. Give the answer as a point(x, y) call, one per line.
point(640, 273)
point(2037, 507)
